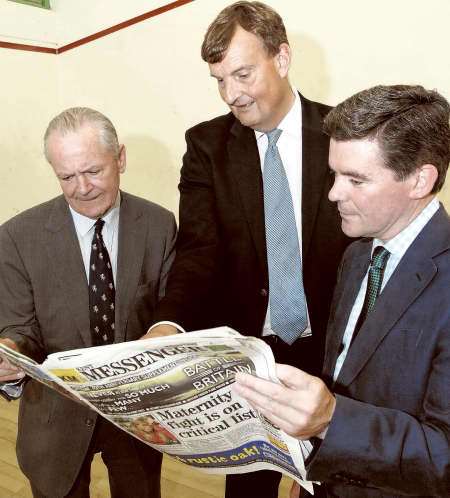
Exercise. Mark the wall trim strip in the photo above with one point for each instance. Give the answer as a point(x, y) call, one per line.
point(28, 48)
point(99, 34)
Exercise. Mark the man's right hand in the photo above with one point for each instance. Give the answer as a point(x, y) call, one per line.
point(9, 372)
point(160, 331)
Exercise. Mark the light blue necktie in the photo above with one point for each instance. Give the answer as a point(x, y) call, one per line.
point(288, 315)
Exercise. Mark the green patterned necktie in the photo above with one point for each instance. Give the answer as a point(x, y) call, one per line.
point(374, 281)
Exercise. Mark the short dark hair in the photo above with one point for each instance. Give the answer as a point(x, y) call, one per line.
point(409, 123)
point(254, 17)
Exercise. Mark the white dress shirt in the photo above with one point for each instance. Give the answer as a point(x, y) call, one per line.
point(397, 246)
point(85, 229)
point(290, 148)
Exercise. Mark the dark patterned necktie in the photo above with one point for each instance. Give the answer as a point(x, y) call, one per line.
point(288, 315)
point(101, 290)
point(374, 281)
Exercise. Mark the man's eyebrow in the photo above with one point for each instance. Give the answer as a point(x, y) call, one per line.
point(351, 172)
point(355, 174)
point(238, 70)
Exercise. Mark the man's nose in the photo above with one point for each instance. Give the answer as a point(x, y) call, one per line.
point(230, 92)
point(336, 192)
point(84, 185)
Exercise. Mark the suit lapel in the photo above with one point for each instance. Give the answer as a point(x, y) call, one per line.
point(245, 167)
point(64, 251)
point(314, 160)
point(351, 284)
point(400, 292)
point(132, 236)
point(411, 277)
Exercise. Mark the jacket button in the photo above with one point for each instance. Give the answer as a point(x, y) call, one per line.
point(89, 422)
point(263, 292)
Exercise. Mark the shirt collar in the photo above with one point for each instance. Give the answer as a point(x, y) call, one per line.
point(399, 244)
point(291, 124)
point(83, 224)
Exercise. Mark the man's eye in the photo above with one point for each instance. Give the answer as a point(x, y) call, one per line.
point(66, 178)
point(94, 172)
point(243, 76)
point(355, 182)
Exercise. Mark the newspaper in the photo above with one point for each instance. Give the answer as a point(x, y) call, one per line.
point(175, 394)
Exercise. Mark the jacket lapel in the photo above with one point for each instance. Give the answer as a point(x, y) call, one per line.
point(245, 167)
point(351, 285)
point(400, 292)
point(64, 251)
point(315, 147)
point(132, 236)
point(411, 277)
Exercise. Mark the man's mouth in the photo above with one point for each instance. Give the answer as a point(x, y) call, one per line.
point(243, 107)
point(88, 199)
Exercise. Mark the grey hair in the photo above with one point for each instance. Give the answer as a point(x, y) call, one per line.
point(74, 118)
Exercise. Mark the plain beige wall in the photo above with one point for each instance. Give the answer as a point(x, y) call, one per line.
point(150, 80)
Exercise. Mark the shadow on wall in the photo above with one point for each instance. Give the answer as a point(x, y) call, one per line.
point(309, 69)
point(151, 172)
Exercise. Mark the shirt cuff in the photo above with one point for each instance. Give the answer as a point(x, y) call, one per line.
point(166, 322)
point(12, 390)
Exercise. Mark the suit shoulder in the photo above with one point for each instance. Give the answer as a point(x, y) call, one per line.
point(357, 248)
point(318, 107)
point(32, 218)
point(313, 113)
point(212, 130)
point(149, 207)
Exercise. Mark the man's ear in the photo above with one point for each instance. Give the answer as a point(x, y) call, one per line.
point(122, 158)
point(425, 177)
point(283, 60)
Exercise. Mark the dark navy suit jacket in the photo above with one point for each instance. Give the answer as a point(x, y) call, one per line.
point(390, 434)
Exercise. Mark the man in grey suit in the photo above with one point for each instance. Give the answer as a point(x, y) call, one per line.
point(381, 422)
point(48, 284)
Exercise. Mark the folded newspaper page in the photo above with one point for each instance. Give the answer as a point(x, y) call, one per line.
point(174, 393)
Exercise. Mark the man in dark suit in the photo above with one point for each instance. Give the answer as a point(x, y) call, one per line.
point(382, 426)
point(222, 274)
point(47, 273)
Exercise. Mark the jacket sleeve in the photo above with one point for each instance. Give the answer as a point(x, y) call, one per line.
point(389, 449)
point(193, 274)
point(17, 311)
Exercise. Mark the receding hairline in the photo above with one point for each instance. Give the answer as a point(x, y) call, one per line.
point(74, 119)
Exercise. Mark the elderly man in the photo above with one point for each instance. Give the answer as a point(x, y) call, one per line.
point(382, 422)
point(259, 241)
point(86, 268)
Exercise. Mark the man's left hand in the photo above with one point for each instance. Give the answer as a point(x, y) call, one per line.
point(302, 406)
point(9, 372)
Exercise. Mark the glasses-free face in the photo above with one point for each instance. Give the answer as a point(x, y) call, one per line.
point(88, 172)
point(372, 202)
point(253, 84)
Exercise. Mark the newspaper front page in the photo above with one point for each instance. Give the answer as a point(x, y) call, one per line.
point(174, 393)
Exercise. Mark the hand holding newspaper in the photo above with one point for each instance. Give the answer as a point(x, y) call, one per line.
point(174, 393)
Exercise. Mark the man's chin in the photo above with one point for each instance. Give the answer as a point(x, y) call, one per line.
point(93, 212)
point(246, 119)
point(351, 230)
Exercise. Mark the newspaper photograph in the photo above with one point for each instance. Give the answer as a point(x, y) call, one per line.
point(175, 394)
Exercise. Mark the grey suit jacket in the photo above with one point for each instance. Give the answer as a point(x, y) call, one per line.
point(44, 308)
point(390, 434)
